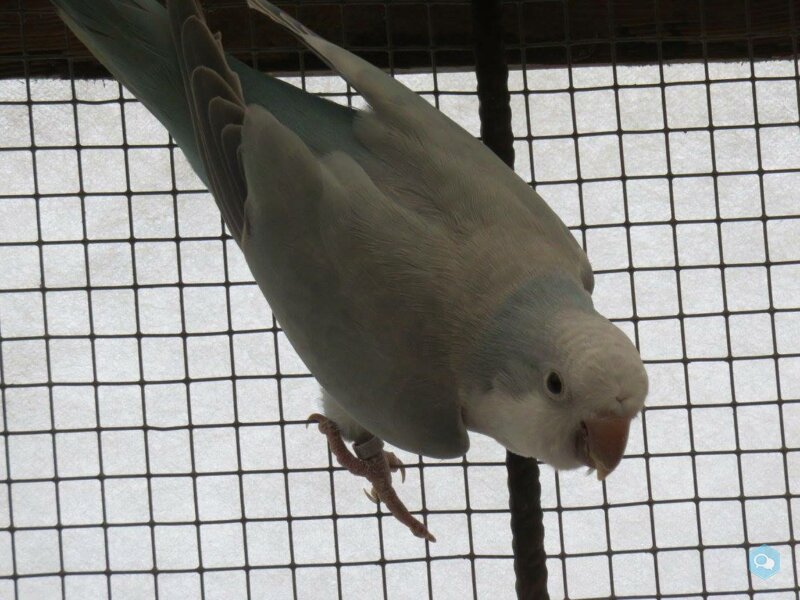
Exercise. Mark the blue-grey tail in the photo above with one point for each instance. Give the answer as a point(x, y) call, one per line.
point(133, 40)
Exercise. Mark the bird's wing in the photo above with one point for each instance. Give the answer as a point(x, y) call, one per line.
point(391, 99)
point(329, 251)
point(419, 158)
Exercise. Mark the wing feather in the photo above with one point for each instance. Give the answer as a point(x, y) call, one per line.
point(216, 104)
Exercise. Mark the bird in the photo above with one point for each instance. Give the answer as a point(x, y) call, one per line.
point(429, 289)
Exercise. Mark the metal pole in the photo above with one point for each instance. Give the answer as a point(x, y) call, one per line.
point(527, 526)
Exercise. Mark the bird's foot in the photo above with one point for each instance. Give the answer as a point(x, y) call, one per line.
point(394, 463)
point(376, 465)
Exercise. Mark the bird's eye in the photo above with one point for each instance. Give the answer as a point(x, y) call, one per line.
point(554, 384)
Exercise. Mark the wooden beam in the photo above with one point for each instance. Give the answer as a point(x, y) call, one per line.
point(413, 35)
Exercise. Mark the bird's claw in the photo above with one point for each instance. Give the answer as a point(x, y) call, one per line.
point(324, 423)
point(377, 469)
point(395, 464)
point(372, 495)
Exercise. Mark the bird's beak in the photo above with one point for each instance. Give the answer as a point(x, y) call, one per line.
point(604, 439)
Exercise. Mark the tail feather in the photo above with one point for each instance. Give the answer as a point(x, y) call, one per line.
point(132, 39)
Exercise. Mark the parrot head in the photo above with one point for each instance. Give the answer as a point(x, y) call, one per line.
point(557, 381)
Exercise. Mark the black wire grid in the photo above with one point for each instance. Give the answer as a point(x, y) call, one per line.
point(154, 432)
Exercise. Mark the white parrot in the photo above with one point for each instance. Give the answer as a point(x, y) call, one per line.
point(427, 287)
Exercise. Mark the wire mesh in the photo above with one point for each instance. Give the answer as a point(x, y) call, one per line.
point(153, 412)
